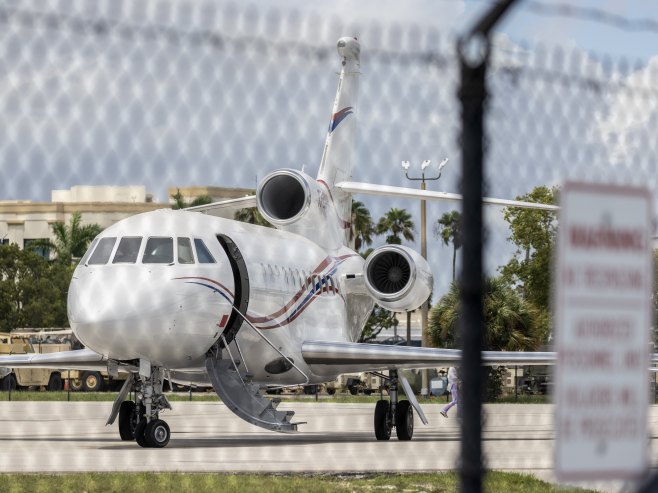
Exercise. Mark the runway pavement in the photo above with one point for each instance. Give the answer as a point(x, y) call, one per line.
point(206, 436)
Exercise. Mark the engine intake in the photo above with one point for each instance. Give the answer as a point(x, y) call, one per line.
point(283, 196)
point(398, 277)
point(293, 201)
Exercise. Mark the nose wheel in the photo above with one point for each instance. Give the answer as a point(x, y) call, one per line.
point(156, 434)
point(140, 421)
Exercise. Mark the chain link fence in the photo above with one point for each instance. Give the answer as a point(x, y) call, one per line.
point(167, 94)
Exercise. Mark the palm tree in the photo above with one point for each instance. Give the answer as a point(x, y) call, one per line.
point(362, 228)
point(398, 223)
point(251, 216)
point(512, 323)
point(181, 203)
point(449, 229)
point(71, 241)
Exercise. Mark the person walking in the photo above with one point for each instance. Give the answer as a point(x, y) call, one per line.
point(453, 386)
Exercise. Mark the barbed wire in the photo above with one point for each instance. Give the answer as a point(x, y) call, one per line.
point(151, 32)
point(103, 27)
point(591, 14)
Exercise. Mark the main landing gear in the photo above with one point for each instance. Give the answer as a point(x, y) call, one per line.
point(140, 420)
point(393, 413)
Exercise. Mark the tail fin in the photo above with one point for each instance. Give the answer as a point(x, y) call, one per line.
point(340, 145)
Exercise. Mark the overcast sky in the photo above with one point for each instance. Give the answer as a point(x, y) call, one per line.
point(148, 98)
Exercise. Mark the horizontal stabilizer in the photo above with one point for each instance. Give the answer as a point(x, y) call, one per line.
point(225, 208)
point(347, 357)
point(412, 193)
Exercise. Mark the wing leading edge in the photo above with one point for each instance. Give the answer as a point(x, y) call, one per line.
point(80, 359)
point(342, 357)
point(389, 191)
point(225, 208)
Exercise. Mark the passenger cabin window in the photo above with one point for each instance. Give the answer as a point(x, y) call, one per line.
point(102, 252)
point(127, 250)
point(159, 251)
point(84, 259)
point(185, 255)
point(202, 252)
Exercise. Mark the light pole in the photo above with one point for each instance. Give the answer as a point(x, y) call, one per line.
point(424, 390)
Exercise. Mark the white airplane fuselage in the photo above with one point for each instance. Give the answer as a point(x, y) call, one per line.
point(171, 314)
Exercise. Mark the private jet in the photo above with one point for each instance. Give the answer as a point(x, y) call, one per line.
point(189, 296)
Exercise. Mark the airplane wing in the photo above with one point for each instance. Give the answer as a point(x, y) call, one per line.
point(225, 208)
point(80, 359)
point(370, 189)
point(352, 357)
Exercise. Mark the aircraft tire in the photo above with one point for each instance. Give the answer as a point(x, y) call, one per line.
point(128, 420)
point(404, 420)
point(382, 420)
point(75, 384)
point(140, 437)
point(157, 433)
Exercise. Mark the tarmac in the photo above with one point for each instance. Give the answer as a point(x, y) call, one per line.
point(206, 436)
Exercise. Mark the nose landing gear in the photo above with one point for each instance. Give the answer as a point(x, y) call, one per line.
point(140, 420)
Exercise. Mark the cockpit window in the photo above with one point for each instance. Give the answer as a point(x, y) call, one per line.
point(85, 257)
point(185, 255)
point(127, 250)
point(202, 252)
point(159, 251)
point(102, 252)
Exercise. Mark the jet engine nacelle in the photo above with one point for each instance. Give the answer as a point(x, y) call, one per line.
point(293, 201)
point(397, 277)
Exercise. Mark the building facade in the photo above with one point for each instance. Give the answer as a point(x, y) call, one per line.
point(23, 222)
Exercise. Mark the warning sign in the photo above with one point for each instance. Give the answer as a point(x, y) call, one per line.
point(603, 283)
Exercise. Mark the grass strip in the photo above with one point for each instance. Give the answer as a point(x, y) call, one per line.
point(495, 482)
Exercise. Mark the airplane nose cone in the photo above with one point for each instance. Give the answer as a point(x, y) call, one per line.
point(127, 313)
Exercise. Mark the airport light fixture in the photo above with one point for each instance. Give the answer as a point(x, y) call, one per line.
point(424, 391)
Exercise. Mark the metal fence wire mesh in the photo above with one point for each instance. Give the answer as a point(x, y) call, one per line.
point(176, 94)
point(118, 93)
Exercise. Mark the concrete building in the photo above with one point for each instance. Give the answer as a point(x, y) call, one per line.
point(23, 221)
point(216, 193)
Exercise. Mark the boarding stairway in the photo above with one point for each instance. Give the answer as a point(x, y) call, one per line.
point(244, 398)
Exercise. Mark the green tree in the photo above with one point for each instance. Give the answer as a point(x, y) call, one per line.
point(512, 323)
point(71, 241)
point(449, 229)
point(534, 233)
point(396, 223)
point(181, 203)
point(362, 228)
point(32, 292)
point(380, 319)
point(251, 216)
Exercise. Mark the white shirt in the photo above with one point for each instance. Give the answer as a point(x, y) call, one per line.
point(452, 375)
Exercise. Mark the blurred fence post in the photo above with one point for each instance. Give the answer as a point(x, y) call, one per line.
point(473, 52)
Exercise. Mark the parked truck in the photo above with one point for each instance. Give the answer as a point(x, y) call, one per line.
point(24, 343)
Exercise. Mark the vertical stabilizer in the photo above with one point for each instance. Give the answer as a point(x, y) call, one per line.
point(340, 145)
